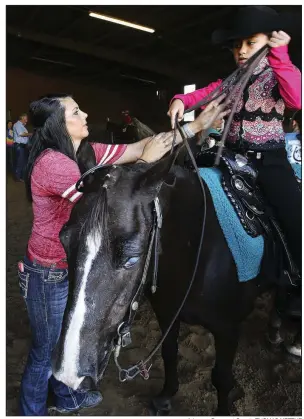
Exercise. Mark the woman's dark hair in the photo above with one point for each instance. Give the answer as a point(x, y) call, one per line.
point(7, 122)
point(47, 116)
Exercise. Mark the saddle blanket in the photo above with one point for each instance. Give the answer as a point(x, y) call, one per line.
point(247, 251)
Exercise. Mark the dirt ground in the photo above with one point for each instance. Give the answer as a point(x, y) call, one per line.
point(272, 383)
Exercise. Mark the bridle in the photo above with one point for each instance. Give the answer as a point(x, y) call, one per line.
point(235, 85)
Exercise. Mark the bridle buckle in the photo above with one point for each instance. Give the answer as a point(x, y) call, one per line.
point(124, 334)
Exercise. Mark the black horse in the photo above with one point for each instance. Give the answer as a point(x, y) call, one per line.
point(107, 240)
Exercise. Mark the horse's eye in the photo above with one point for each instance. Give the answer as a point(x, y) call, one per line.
point(131, 262)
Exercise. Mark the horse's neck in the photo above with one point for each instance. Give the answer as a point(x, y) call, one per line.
point(180, 194)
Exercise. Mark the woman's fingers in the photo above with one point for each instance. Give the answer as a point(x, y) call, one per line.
point(161, 136)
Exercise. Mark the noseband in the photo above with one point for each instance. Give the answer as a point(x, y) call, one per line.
point(123, 330)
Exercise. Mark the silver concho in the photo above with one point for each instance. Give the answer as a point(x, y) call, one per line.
point(240, 160)
point(134, 306)
point(239, 184)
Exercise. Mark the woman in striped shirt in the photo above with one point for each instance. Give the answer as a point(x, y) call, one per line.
point(52, 173)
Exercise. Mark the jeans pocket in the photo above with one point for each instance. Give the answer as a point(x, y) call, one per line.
point(55, 276)
point(23, 283)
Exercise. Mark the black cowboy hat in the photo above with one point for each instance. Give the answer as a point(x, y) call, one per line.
point(248, 21)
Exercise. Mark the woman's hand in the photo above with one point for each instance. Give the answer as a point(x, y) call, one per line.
point(177, 107)
point(216, 109)
point(279, 39)
point(157, 147)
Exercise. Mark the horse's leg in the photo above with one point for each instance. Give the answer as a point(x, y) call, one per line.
point(274, 326)
point(161, 404)
point(226, 341)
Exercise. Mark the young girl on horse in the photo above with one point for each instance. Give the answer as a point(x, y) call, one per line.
point(256, 129)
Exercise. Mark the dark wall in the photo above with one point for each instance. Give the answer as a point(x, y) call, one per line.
point(99, 102)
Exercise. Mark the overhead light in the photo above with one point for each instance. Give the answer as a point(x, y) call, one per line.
point(121, 22)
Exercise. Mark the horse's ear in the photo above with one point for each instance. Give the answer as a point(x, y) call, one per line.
point(151, 179)
point(85, 156)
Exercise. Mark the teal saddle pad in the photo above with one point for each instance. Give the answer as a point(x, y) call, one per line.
point(247, 251)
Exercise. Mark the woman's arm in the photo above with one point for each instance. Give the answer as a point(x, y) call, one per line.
point(133, 151)
point(153, 148)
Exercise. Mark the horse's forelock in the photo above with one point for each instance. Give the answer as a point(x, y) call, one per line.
point(96, 218)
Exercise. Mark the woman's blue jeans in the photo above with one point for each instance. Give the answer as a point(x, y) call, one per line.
point(45, 291)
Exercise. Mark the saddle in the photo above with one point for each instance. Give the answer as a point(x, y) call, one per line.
point(239, 180)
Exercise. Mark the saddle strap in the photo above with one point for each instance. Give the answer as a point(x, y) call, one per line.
point(292, 268)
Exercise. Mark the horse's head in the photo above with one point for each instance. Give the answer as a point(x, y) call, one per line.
point(106, 241)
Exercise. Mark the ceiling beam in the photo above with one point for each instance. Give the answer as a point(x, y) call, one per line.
point(180, 72)
point(203, 19)
point(170, 32)
point(62, 32)
point(32, 16)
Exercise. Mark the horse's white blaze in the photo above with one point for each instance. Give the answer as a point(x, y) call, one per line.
point(70, 358)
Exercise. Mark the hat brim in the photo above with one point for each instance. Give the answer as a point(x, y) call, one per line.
point(222, 36)
point(226, 36)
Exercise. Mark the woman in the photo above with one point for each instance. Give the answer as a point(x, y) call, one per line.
point(256, 129)
point(52, 172)
point(9, 146)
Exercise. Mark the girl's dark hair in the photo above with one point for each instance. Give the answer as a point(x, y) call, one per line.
point(47, 116)
point(9, 120)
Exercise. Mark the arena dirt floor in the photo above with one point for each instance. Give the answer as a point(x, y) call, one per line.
point(272, 383)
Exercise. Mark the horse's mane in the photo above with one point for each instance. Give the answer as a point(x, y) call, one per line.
point(96, 217)
point(96, 208)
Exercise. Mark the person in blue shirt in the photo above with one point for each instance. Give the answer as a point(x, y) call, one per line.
point(9, 146)
point(21, 137)
point(293, 138)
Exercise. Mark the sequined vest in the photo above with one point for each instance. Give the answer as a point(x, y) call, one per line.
point(257, 123)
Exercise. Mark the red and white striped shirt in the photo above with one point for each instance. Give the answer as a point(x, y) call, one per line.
point(53, 183)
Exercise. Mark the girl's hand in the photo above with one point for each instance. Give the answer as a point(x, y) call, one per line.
point(177, 107)
point(279, 39)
